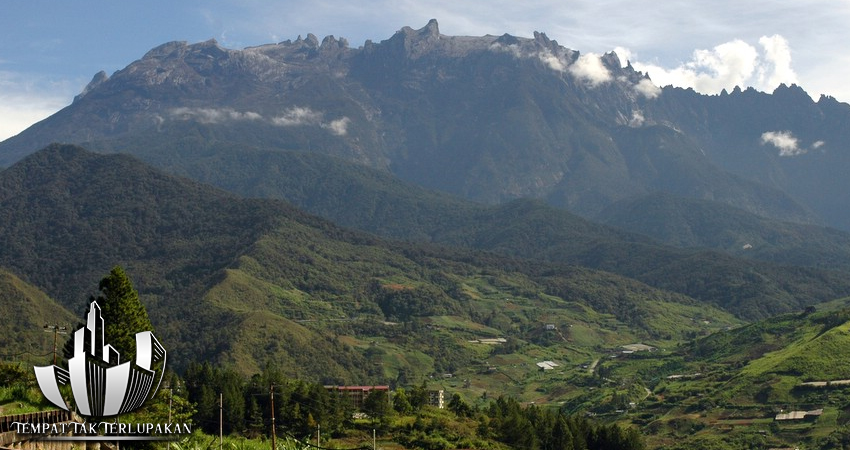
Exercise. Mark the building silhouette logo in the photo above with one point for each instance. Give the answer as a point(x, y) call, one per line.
point(101, 384)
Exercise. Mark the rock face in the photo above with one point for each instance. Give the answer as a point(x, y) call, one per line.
point(489, 118)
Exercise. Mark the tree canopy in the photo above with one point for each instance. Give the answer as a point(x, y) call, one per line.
point(123, 312)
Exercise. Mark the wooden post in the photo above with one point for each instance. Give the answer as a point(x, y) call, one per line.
point(274, 433)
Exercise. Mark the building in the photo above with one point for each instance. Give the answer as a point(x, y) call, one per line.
point(632, 348)
point(800, 415)
point(358, 394)
point(436, 398)
point(547, 365)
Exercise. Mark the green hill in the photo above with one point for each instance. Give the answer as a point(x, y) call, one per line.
point(684, 222)
point(727, 389)
point(26, 311)
point(242, 282)
point(359, 197)
point(248, 281)
point(803, 346)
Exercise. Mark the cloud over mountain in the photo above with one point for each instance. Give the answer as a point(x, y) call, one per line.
point(589, 68)
point(647, 88)
point(213, 115)
point(787, 143)
point(730, 64)
point(291, 117)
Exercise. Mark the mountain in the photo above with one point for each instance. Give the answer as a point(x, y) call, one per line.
point(784, 140)
point(249, 281)
point(490, 118)
point(684, 222)
point(359, 197)
point(66, 221)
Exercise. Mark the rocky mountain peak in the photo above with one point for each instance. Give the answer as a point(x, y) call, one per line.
point(792, 93)
point(312, 40)
point(507, 39)
point(611, 60)
point(429, 31)
point(165, 50)
point(420, 100)
point(544, 41)
point(98, 79)
point(330, 42)
point(415, 43)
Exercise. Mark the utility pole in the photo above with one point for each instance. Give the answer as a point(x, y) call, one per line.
point(274, 437)
point(220, 421)
point(56, 330)
point(318, 435)
point(170, 397)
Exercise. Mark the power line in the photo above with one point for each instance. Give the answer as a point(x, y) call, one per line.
point(24, 353)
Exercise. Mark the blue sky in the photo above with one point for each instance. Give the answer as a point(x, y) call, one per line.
point(49, 50)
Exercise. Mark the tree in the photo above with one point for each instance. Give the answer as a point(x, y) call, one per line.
point(562, 438)
point(123, 313)
point(256, 423)
point(400, 402)
point(458, 406)
point(377, 406)
point(418, 396)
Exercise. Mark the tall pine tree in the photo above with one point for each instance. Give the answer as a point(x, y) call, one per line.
point(123, 313)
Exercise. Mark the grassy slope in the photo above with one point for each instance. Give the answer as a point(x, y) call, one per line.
point(26, 310)
point(728, 387)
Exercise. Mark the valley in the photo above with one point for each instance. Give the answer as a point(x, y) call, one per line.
point(453, 213)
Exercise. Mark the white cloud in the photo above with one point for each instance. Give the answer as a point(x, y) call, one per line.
point(291, 117)
point(624, 55)
point(303, 116)
point(637, 119)
point(551, 60)
point(20, 112)
point(588, 67)
point(27, 99)
point(777, 68)
point(298, 115)
point(733, 63)
point(213, 115)
point(513, 49)
point(338, 127)
point(647, 88)
point(787, 143)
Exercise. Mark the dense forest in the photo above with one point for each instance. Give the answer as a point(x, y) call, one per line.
point(301, 408)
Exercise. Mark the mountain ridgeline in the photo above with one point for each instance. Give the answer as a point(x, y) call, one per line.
point(450, 208)
point(229, 279)
point(490, 118)
point(245, 283)
point(248, 281)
